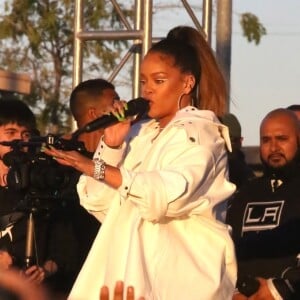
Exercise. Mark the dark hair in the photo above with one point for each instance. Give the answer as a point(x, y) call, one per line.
point(16, 111)
point(286, 112)
point(192, 53)
point(184, 55)
point(294, 107)
point(88, 89)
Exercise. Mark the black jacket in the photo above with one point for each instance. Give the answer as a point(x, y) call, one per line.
point(265, 222)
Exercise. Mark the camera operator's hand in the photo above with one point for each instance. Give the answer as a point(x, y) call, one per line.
point(50, 268)
point(263, 292)
point(239, 296)
point(35, 274)
point(5, 260)
point(11, 281)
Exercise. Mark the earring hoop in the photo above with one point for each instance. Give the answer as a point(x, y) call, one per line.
point(179, 101)
point(193, 102)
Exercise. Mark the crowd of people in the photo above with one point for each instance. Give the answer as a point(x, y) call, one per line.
point(142, 217)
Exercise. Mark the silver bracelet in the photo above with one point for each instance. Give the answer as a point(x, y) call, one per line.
point(99, 170)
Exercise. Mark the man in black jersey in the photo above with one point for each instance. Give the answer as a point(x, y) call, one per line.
point(265, 215)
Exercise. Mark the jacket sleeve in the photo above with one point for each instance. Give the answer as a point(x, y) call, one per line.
point(190, 177)
point(94, 195)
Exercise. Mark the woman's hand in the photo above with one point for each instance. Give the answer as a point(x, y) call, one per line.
point(35, 274)
point(115, 135)
point(118, 292)
point(73, 159)
point(5, 260)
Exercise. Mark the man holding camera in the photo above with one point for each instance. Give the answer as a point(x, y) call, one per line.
point(17, 123)
point(265, 216)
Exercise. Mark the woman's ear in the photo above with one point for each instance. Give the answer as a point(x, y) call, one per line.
point(189, 84)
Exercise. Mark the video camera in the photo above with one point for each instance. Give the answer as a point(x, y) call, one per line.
point(38, 176)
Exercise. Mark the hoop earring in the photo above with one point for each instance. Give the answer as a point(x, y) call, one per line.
point(179, 101)
point(193, 102)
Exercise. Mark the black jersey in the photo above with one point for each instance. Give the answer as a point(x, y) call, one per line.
point(265, 220)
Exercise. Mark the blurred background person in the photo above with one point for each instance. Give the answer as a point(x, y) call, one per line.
point(296, 109)
point(17, 124)
point(14, 286)
point(88, 101)
point(239, 171)
point(265, 215)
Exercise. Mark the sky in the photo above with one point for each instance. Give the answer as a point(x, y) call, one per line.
point(263, 77)
point(266, 76)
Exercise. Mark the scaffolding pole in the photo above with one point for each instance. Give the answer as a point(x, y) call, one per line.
point(141, 35)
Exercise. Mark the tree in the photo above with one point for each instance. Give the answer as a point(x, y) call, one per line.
point(36, 36)
point(253, 30)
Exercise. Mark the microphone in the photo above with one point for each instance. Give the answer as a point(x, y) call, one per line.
point(136, 108)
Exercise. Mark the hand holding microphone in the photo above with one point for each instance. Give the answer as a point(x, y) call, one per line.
point(120, 111)
point(116, 121)
point(121, 116)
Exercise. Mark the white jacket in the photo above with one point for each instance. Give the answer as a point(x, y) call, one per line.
point(159, 233)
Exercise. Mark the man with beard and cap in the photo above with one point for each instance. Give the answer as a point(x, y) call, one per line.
point(265, 216)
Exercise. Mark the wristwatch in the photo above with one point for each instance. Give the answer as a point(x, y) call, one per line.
point(99, 169)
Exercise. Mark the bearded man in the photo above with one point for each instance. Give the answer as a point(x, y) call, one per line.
point(265, 216)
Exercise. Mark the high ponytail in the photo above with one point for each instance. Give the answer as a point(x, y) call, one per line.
point(210, 90)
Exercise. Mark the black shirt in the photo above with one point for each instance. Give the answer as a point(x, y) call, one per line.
point(265, 220)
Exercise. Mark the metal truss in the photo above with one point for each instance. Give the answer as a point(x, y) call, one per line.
point(141, 35)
